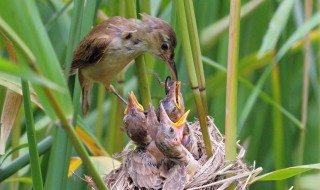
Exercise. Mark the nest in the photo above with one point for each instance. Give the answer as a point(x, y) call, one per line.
point(215, 172)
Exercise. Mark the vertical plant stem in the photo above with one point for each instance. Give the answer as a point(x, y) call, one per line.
point(112, 128)
point(16, 130)
point(101, 97)
point(232, 81)
point(119, 133)
point(141, 70)
point(196, 51)
point(15, 141)
point(32, 142)
point(120, 85)
point(305, 91)
point(192, 75)
point(278, 140)
point(149, 59)
point(319, 88)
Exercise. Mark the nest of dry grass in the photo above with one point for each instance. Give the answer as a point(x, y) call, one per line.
point(214, 173)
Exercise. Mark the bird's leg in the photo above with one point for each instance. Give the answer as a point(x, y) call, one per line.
point(110, 88)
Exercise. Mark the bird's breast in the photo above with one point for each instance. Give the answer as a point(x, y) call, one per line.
point(108, 67)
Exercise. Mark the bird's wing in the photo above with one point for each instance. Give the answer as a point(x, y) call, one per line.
point(143, 170)
point(93, 47)
point(176, 179)
point(90, 50)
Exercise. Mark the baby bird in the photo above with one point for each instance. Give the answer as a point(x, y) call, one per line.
point(113, 44)
point(169, 143)
point(174, 106)
point(168, 138)
point(135, 122)
point(145, 165)
point(152, 122)
point(173, 102)
point(143, 169)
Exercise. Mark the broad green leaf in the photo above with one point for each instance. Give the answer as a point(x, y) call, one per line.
point(286, 173)
point(276, 26)
point(31, 31)
point(27, 74)
point(298, 34)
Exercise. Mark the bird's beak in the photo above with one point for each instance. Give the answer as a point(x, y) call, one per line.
point(177, 91)
point(133, 103)
point(182, 120)
point(172, 67)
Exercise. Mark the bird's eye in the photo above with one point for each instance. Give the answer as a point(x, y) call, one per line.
point(174, 109)
point(128, 36)
point(164, 46)
point(171, 130)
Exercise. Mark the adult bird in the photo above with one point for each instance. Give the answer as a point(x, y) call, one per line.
point(113, 44)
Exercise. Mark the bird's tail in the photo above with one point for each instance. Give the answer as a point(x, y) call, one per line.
point(73, 71)
point(86, 86)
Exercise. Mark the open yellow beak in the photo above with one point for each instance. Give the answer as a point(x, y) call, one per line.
point(182, 120)
point(133, 102)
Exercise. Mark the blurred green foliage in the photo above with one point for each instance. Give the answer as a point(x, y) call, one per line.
point(47, 34)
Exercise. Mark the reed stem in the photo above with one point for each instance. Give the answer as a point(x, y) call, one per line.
point(141, 70)
point(196, 51)
point(232, 84)
point(232, 81)
point(192, 75)
point(31, 135)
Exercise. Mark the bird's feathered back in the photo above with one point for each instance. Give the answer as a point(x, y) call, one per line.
point(93, 47)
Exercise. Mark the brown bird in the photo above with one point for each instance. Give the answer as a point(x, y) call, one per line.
point(168, 138)
point(169, 143)
point(144, 169)
point(113, 44)
point(173, 102)
point(135, 122)
point(152, 122)
point(174, 106)
point(145, 166)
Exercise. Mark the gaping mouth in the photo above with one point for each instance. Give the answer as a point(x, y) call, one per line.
point(133, 102)
point(182, 120)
